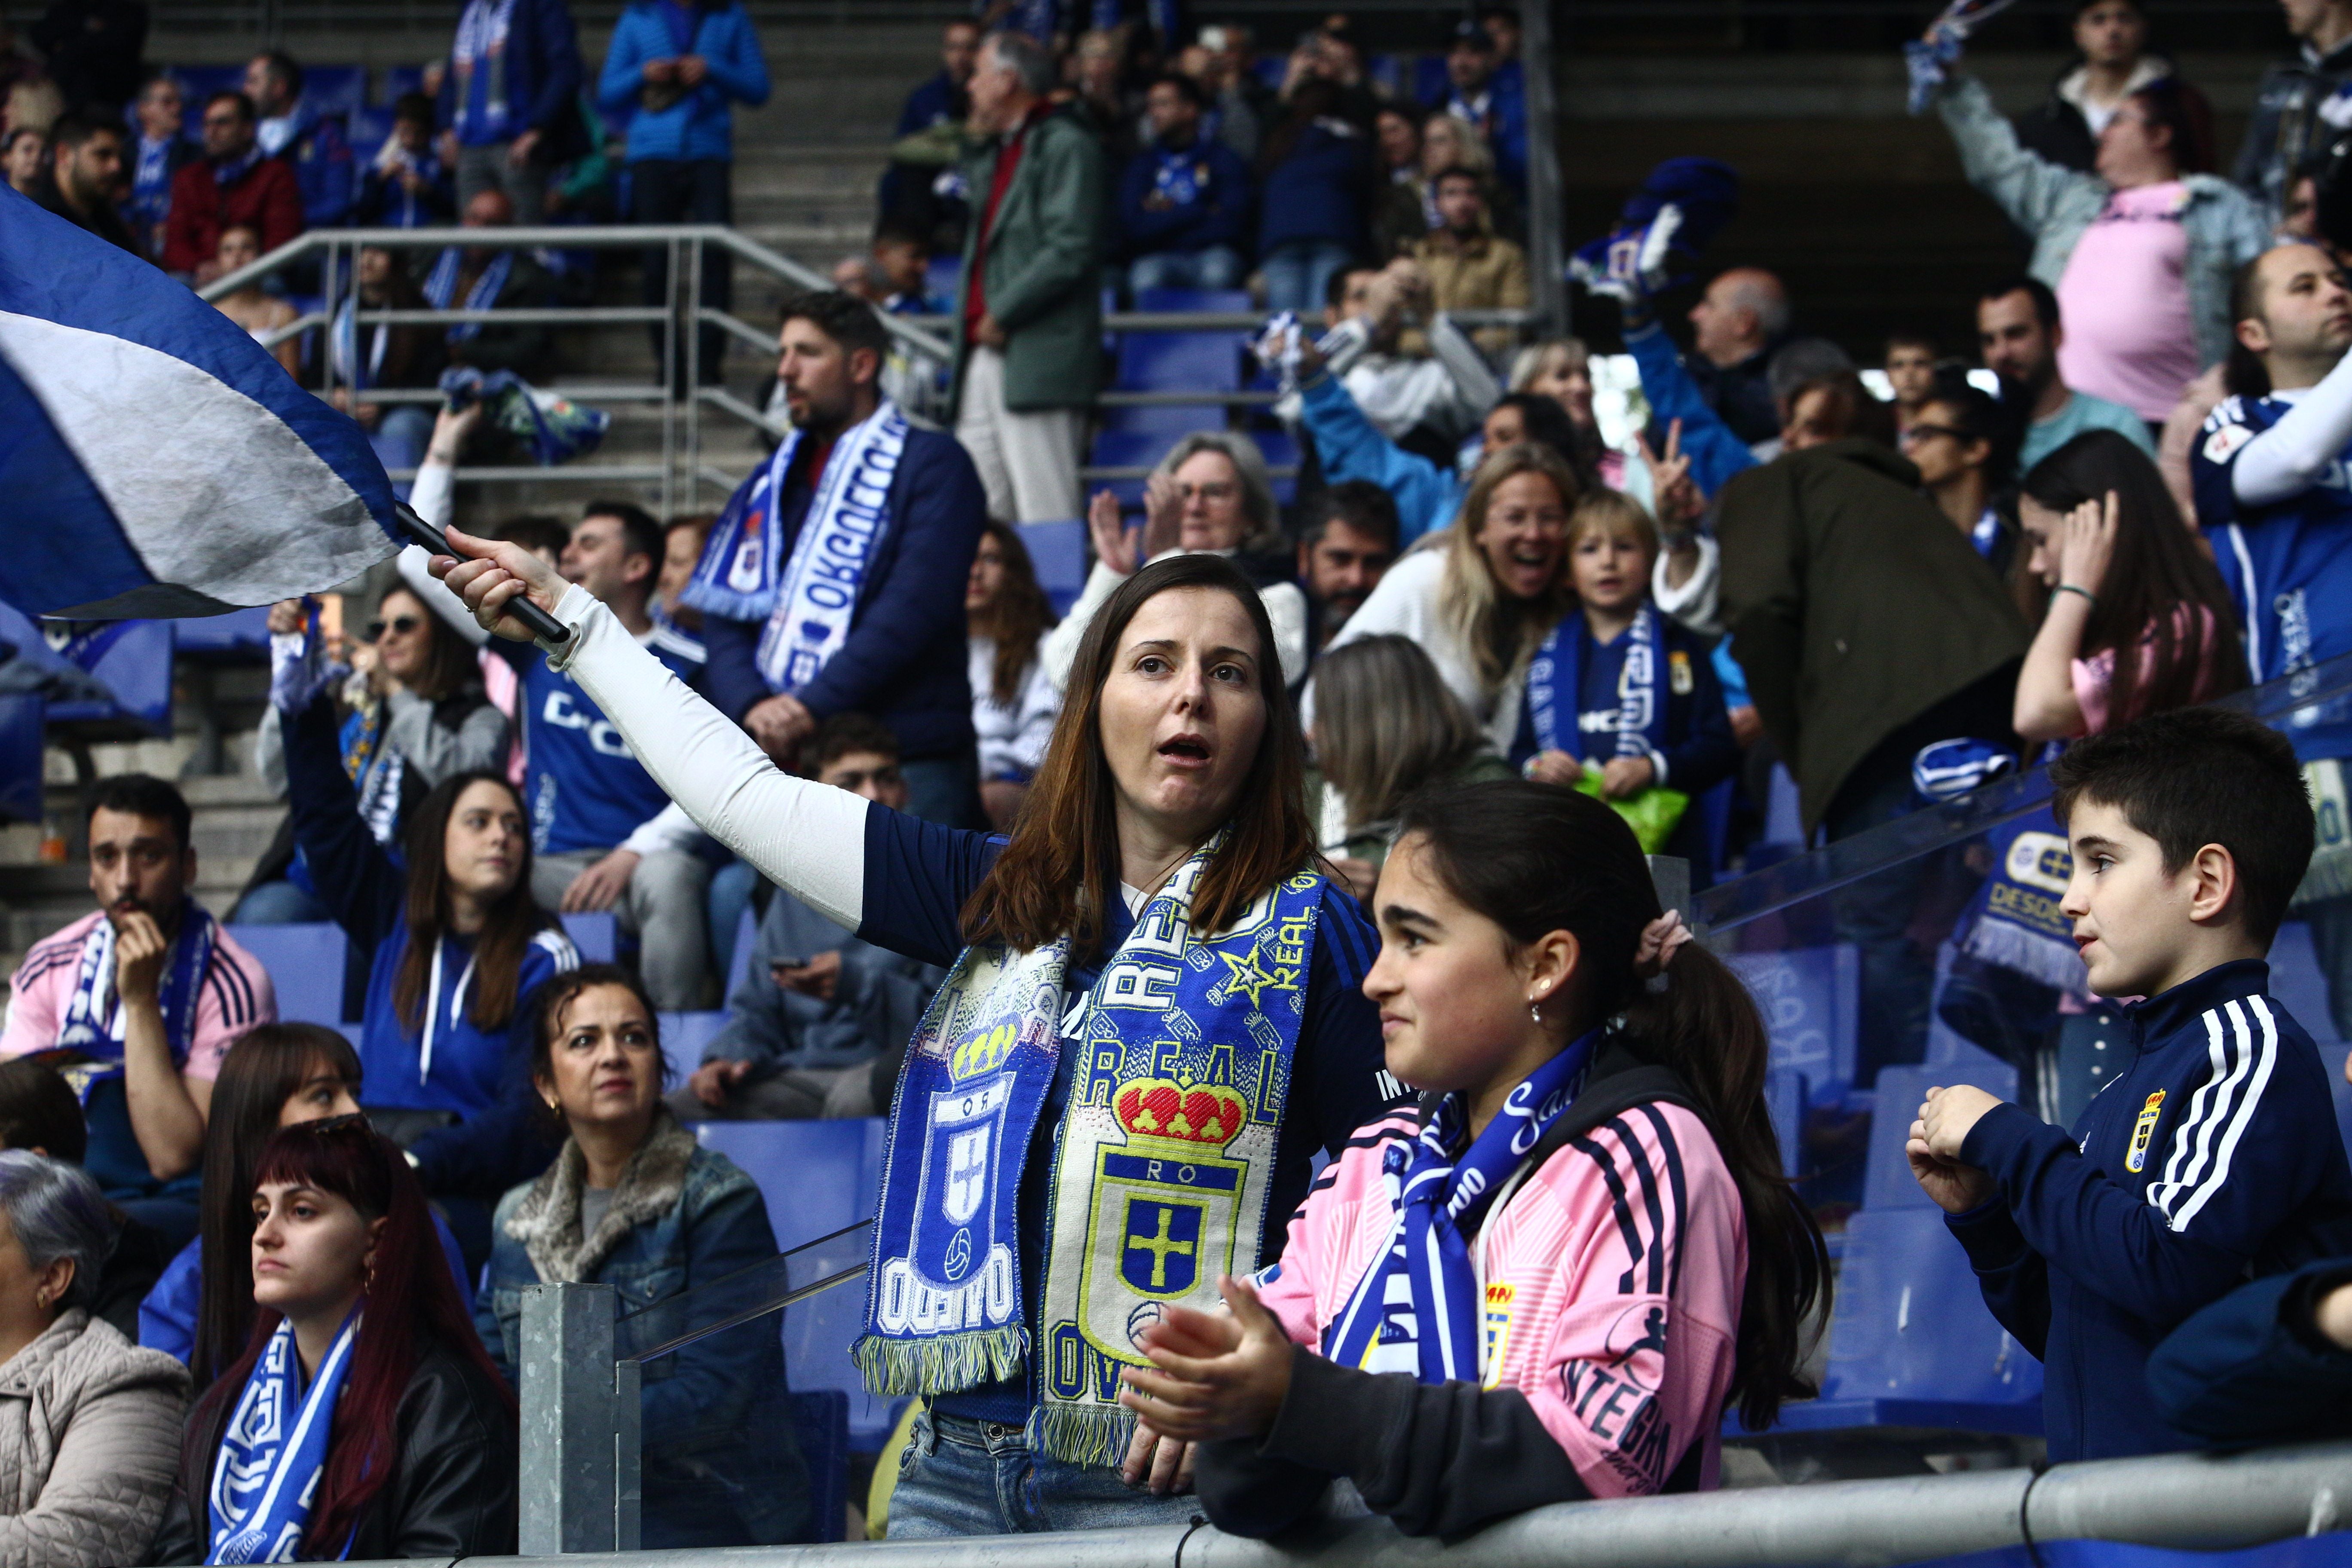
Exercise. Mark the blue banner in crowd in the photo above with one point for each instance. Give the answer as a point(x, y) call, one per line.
point(155, 459)
point(2332, 1550)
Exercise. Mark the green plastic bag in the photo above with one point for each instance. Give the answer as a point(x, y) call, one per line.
point(1653, 815)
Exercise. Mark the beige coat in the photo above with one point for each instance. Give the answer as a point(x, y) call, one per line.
point(89, 1440)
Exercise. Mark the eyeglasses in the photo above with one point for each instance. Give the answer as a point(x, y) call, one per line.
point(1219, 491)
point(401, 625)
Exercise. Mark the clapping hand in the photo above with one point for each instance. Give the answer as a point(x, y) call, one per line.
point(1946, 1118)
point(1212, 1374)
point(1107, 525)
point(1163, 515)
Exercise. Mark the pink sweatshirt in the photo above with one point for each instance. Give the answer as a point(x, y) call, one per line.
point(1613, 1278)
point(233, 996)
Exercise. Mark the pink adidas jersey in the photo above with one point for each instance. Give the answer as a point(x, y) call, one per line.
point(234, 995)
point(1613, 1280)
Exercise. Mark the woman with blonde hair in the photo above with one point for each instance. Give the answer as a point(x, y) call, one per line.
point(1385, 726)
point(1561, 370)
point(1480, 602)
point(1210, 494)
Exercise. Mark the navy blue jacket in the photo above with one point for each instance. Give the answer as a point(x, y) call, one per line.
point(1316, 193)
point(1217, 214)
point(482, 1077)
point(904, 659)
point(918, 877)
point(2252, 1367)
point(324, 168)
point(936, 103)
point(543, 74)
point(1699, 751)
point(2214, 1157)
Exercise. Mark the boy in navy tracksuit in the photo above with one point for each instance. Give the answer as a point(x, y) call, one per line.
point(2214, 1157)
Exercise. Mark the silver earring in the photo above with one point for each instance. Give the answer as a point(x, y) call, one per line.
point(1535, 1010)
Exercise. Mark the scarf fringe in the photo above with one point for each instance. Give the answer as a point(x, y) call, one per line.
point(2330, 876)
point(1083, 1435)
point(941, 1363)
point(2047, 959)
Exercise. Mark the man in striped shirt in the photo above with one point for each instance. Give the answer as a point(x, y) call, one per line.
point(2214, 1157)
point(137, 1003)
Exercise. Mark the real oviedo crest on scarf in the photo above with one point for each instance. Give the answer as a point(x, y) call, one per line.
point(1162, 1159)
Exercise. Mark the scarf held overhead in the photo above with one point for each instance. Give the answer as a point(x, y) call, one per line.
point(1419, 1308)
point(1162, 1163)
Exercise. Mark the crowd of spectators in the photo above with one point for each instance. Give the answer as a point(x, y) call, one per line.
point(2131, 503)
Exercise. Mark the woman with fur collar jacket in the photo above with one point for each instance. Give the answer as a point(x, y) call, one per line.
point(634, 1202)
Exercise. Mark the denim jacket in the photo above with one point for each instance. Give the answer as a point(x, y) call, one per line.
point(2055, 204)
point(722, 1467)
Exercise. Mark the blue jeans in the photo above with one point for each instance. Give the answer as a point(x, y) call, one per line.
point(945, 790)
point(980, 1477)
point(1298, 273)
point(1217, 266)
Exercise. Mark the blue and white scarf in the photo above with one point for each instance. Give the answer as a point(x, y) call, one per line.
point(237, 168)
point(274, 1450)
point(1161, 1166)
point(343, 345)
point(806, 599)
point(92, 1026)
point(1180, 177)
point(482, 37)
point(441, 287)
point(1556, 689)
point(1418, 1309)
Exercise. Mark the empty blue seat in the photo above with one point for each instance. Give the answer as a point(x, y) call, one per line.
point(594, 933)
point(130, 658)
point(368, 126)
point(1232, 301)
point(1058, 552)
point(1127, 449)
point(1179, 362)
point(821, 1422)
point(1430, 83)
point(1810, 998)
point(334, 89)
point(1280, 448)
point(306, 968)
point(23, 717)
point(683, 1035)
point(817, 1178)
point(241, 636)
point(200, 82)
point(1887, 1182)
point(399, 79)
point(1171, 421)
point(2296, 981)
point(944, 276)
point(1912, 1343)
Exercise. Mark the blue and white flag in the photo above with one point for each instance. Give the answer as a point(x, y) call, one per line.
point(155, 459)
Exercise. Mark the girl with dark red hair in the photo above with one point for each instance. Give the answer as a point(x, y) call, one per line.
point(364, 1420)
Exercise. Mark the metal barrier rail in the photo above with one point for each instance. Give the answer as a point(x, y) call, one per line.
point(681, 471)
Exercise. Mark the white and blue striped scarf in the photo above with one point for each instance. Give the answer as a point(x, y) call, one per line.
point(1418, 1309)
point(274, 1450)
point(441, 287)
point(92, 1025)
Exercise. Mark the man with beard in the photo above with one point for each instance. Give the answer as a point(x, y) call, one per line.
point(787, 649)
point(85, 177)
point(1343, 555)
point(137, 1003)
point(2018, 333)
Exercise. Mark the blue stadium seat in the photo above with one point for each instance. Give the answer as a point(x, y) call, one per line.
point(594, 933)
point(683, 1035)
point(1128, 450)
point(1169, 421)
point(817, 1178)
point(1888, 1183)
point(1058, 551)
point(1174, 299)
point(1430, 84)
point(368, 128)
point(1179, 361)
point(241, 636)
point(130, 658)
point(944, 274)
point(22, 716)
point(200, 82)
point(1280, 448)
point(306, 968)
point(334, 89)
point(398, 79)
point(2297, 980)
point(1810, 998)
point(821, 1422)
point(1912, 1343)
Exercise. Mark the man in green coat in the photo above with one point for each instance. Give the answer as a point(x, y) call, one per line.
point(1867, 627)
point(1029, 316)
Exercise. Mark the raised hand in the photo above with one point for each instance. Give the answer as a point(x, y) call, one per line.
point(1163, 516)
point(138, 949)
point(489, 574)
point(2087, 543)
point(1107, 526)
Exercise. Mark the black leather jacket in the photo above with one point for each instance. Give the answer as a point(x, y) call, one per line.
point(453, 1496)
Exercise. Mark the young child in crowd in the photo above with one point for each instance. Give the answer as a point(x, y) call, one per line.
point(1571, 1047)
point(1618, 689)
point(407, 185)
point(2214, 1155)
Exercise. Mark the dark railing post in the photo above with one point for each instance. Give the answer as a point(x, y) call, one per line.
point(571, 1481)
point(1546, 255)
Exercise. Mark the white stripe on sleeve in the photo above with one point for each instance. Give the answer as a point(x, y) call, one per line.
point(807, 838)
point(2263, 1055)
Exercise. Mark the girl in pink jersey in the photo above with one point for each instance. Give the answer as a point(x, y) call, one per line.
point(1547, 1279)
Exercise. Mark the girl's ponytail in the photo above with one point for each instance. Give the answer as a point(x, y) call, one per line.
point(1536, 858)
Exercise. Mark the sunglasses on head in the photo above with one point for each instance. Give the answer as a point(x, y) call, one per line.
point(347, 1123)
point(404, 624)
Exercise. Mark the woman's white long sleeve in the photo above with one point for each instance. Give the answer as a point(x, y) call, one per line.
point(2288, 458)
point(808, 839)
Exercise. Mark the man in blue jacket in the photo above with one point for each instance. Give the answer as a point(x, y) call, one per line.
point(312, 141)
point(514, 73)
point(1183, 202)
point(788, 648)
point(677, 67)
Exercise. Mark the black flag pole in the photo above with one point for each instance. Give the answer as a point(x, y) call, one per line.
point(544, 627)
